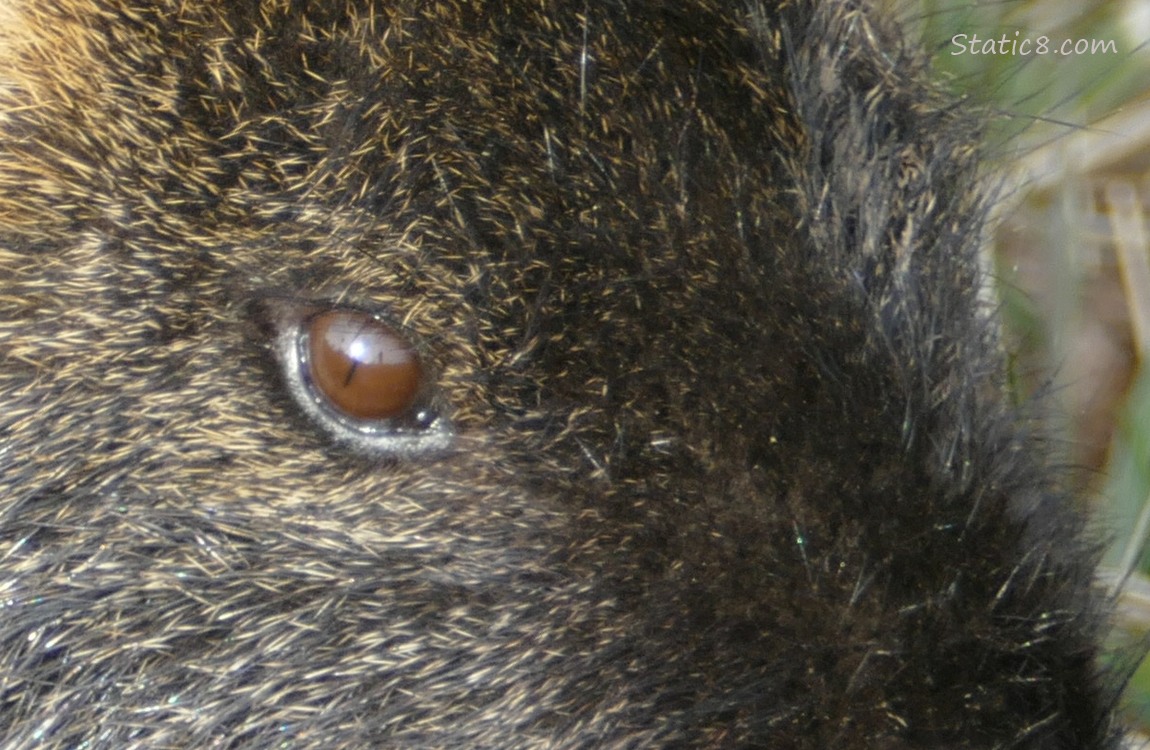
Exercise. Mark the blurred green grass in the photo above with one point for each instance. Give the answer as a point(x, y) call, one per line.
point(1071, 312)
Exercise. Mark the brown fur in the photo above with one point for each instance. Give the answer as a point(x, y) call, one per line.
point(729, 462)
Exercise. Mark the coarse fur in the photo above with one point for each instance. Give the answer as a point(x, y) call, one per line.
point(730, 460)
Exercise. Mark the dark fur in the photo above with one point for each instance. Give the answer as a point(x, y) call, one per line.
point(732, 466)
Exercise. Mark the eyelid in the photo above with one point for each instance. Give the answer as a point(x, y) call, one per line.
point(423, 430)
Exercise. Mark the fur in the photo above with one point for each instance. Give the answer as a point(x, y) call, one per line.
point(729, 459)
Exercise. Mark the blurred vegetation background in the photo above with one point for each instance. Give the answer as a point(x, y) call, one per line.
point(1070, 249)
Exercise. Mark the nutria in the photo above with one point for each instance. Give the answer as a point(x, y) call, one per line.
point(516, 374)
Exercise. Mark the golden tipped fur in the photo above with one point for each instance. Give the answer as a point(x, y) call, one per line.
point(729, 462)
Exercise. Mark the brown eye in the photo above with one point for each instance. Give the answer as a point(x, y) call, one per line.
point(361, 366)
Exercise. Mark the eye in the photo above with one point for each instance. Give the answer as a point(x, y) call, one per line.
point(362, 367)
point(361, 379)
